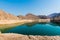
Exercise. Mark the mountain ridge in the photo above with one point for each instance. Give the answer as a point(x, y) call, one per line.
point(6, 16)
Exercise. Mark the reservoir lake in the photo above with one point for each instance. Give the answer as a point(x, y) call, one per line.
point(49, 29)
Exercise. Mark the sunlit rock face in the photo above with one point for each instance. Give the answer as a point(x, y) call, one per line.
point(7, 16)
point(29, 16)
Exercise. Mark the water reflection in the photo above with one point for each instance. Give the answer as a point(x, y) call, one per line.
point(30, 24)
point(35, 28)
point(6, 27)
point(54, 24)
point(34, 23)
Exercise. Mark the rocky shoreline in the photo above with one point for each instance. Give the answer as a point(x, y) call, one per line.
point(13, 36)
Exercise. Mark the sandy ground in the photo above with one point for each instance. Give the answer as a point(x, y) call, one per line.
point(11, 36)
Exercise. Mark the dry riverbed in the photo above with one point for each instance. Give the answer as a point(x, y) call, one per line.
point(12, 36)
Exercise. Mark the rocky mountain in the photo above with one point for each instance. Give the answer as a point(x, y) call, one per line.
point(21, 17)
point(43, 17)
point(55, 17)
point(29, 16)
point(7, 16)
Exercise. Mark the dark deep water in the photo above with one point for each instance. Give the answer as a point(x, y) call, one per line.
point(36, 29)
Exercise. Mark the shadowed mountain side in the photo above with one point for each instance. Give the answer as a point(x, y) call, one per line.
point(55, 17)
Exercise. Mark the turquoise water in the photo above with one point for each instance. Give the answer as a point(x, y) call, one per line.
point(36, 29)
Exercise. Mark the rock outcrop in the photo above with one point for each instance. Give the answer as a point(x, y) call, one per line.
point(11, 36)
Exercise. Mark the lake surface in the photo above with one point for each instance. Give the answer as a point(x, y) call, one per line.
point(36, 29)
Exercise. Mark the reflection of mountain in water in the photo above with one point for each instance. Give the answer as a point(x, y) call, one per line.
point(55, 24)
point(35, 29)
point(34, 23)
point(30, 24)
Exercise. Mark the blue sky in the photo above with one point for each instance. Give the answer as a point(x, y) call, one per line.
point(37, 7)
